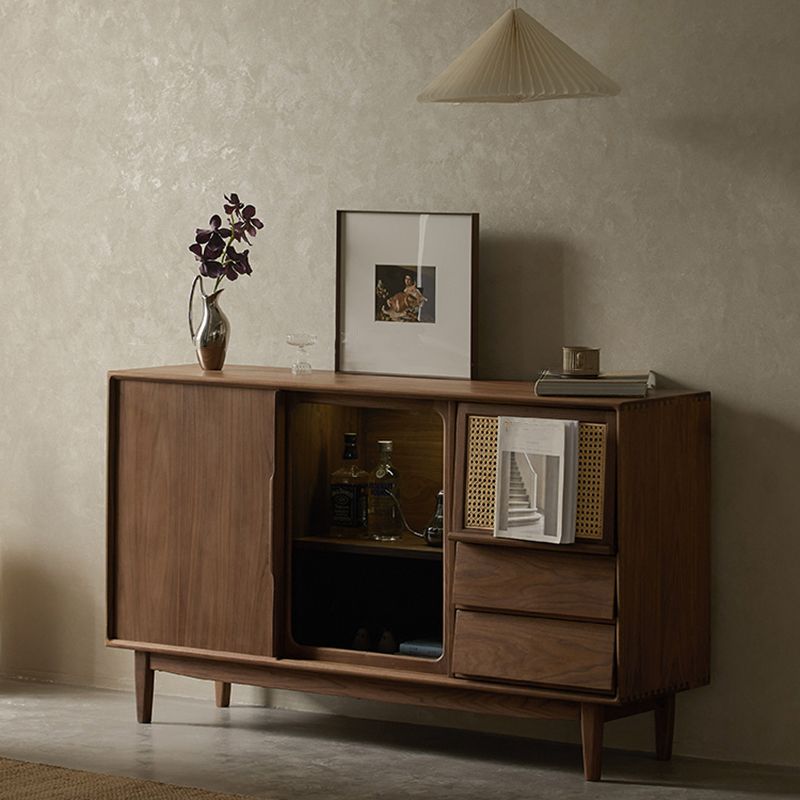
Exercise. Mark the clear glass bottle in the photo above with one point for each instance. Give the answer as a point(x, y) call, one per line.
point(349, 493)
point(383, 519)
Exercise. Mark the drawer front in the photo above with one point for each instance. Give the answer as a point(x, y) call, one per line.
point(510, 579)
point(578, 655)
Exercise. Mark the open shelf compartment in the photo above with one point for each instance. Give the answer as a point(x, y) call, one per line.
point(354, 598)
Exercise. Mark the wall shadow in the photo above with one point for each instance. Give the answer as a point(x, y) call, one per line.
point(30, 629)
point(667, 382)
point(47, 616)
point(755, 592)
point(754, 141)
point(520, 305)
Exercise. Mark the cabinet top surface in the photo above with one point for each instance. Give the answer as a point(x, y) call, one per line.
point(512, 392)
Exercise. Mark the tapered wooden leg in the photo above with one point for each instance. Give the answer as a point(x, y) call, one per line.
point(144, 686)
point(592, 738)
point(665, 726)
point(222, 690)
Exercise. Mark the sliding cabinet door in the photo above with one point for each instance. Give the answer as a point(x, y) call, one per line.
point(192, 515)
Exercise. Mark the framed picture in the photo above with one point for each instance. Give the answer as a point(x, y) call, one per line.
point(406, 293)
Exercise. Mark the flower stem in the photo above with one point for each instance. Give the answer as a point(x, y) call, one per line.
point(225, 251)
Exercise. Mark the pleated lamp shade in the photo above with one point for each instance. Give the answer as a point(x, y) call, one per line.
point(517, 61)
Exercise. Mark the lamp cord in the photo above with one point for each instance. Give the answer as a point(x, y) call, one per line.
point(403, 516)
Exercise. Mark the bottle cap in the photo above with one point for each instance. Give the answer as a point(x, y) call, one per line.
point(350, 447)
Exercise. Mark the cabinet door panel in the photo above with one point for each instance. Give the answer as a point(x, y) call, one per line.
point(192, 514)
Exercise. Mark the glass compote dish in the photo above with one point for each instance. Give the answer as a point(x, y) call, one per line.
point(301, 365)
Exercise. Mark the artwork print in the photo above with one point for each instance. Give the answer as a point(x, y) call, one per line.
point(405, 293)
point(406, 298)
point(529, 492)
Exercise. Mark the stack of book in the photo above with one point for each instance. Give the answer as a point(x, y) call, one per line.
point(606, 384)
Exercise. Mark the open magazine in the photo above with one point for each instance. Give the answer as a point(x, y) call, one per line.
point(537, 479)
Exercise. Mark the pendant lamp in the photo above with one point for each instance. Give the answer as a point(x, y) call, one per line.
point(517, 60)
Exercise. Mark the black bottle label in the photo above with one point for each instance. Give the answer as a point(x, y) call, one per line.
point(347, 505)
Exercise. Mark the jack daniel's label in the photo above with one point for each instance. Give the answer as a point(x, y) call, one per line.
point(348, 505)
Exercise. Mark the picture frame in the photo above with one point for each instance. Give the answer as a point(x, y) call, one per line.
point(406, 293)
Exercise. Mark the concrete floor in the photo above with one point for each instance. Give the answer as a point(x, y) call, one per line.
point(285, 755)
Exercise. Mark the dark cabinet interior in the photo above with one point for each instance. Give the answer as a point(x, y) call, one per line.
point(349, 592)
point(374, 603)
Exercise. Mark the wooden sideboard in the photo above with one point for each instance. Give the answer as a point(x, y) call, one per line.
point(219, 566)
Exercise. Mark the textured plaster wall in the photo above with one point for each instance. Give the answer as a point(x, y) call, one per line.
point(661, 225)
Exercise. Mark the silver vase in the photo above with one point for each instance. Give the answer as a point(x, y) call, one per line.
point(211, 337)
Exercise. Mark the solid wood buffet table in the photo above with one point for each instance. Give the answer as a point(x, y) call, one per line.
point(220, 567)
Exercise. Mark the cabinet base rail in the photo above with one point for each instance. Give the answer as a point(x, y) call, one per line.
point(591, 716)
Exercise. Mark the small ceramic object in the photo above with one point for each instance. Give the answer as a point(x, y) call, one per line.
point(581, 362)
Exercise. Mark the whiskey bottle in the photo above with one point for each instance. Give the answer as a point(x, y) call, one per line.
point(383, 518)
point(349, 493)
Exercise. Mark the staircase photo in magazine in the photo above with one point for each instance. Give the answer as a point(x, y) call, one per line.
point(537, 476)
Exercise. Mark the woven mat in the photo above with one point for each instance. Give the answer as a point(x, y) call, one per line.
point(20, 780)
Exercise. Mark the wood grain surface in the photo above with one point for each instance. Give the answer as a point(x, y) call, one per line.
point(211, 475)
point(592, 740)
point(514, 392)
point(190, 541)
point(401, 677)
point(371, 686)
point(551, 584)
point(222, 694)
point(664, 546)
point(144, 679)
point(486, 539)
point(533, 650)
point(664, 727)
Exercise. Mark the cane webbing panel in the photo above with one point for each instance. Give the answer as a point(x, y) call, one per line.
point(481, 472)
point(479, 494)
point(591, 481)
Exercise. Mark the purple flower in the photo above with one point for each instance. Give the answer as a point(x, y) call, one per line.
point(213, 248)
point(212, 234)
point(208, 265)
point(239, 232)
point(251, 223)
point(240, 261)
point(233, 206)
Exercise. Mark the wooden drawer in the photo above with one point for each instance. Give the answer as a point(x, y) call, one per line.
point(553, 652)
point(510, 579)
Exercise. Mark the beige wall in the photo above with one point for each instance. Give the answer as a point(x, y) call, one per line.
point(661, 225)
